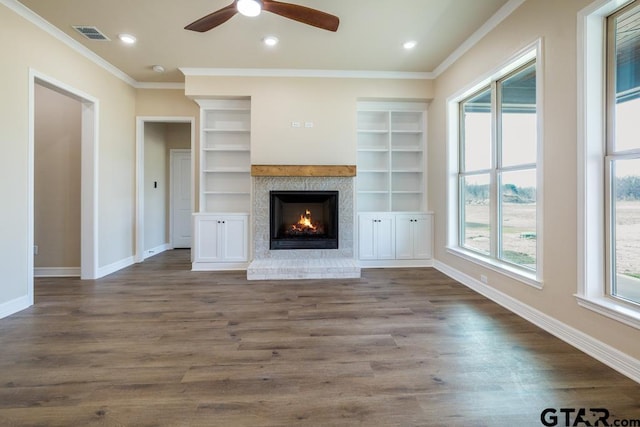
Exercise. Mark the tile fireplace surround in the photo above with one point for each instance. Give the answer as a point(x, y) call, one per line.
point(303, 263)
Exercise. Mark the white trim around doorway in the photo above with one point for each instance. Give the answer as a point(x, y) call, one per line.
point(89, 175)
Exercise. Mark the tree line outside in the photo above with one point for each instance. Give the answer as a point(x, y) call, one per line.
point(626, 188)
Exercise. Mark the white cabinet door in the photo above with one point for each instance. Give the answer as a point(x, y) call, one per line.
point(207, 239)
point(366, 237)
point(376, 237)
point(404, 237)
point(422, 235)
point(234, 238)
point(385, 238)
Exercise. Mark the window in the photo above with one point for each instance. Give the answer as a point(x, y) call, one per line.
point(497, 171)
point(622, 157)
point(608, 239)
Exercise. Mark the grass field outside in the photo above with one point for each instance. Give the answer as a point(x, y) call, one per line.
point(519, 233)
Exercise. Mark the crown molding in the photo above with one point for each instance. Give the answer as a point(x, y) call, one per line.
point(159, 85)
point(488, 26)
point(280, 72)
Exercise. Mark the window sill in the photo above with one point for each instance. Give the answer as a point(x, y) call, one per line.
point(611, 308)
point(521, 276)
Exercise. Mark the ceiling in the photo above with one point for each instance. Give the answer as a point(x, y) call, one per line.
point(369, 38)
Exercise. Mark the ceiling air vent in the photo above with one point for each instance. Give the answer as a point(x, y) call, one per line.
point(92, 33)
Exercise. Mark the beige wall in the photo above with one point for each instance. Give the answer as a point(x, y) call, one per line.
point(29, 47)
point(555, 23)
point(165, 103)
point(57, 179)
point(329, 103)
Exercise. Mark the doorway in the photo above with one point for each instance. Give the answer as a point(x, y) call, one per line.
point(88, 174)
point(163, 207)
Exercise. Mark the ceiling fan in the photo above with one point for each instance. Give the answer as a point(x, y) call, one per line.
point(296, 12)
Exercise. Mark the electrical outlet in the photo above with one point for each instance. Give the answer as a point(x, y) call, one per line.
point(484, 279)
point(295, 124)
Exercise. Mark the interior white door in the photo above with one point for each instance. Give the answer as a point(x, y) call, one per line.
point(181, 198)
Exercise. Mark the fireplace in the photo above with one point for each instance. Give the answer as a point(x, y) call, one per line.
point(303, 220)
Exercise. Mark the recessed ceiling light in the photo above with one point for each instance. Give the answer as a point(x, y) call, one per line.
point(410, 44)
point(270, 40)
point(127, 38)
point(249, 7)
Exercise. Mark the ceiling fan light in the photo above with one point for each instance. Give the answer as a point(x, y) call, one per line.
point(408, 45)
point(249, 7)
point(270, 41)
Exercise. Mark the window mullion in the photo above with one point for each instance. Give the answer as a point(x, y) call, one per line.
point(461, 211)
point(515, 168)
point(609, 228)
point(494, 178)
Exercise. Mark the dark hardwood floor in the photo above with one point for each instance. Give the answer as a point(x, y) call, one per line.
point(156, 344)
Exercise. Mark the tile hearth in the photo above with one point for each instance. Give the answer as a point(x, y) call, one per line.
point(289, 269)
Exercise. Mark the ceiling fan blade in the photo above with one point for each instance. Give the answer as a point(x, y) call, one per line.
point(303, 14)
point(213, 19)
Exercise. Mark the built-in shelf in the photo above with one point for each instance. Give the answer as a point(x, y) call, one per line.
point(391, 157)
point(225, 158)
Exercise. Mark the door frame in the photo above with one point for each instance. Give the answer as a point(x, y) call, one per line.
point(140, 122)
point(89, 189)
point(172, 154)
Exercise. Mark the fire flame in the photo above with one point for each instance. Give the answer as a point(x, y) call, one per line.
point(304, 222)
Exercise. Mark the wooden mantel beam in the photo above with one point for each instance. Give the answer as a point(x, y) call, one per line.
point(304, 170)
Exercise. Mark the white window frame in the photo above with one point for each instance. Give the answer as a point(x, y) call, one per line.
point(592, 127)
point(531, 278)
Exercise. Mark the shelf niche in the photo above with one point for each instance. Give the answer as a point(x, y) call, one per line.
point(391, 156)
point(225, 155)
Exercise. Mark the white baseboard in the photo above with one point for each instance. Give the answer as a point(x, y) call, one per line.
point(112, 268)
point(157, 250)
point(56, 272)
point(11, 307)
point(606, 354)
point(396, 263)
